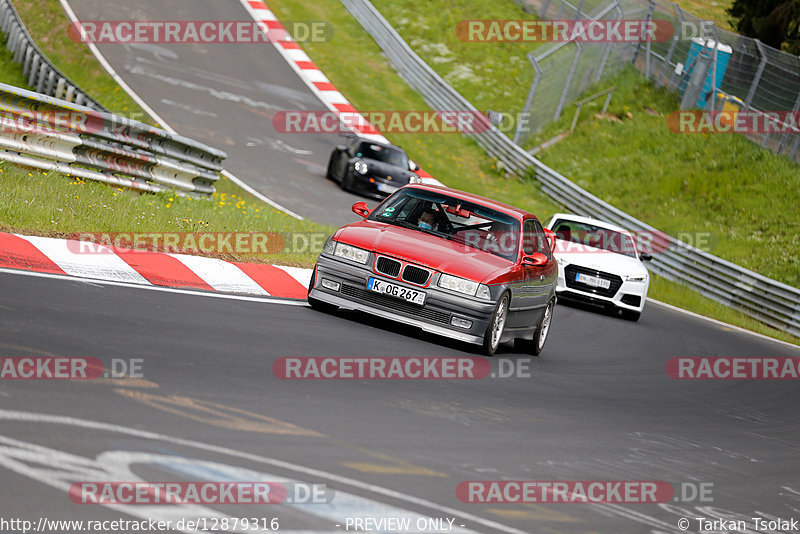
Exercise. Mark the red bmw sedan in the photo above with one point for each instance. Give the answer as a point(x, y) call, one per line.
point(449, 262)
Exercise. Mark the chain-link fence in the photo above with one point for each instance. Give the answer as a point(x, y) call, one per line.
point(710, 67)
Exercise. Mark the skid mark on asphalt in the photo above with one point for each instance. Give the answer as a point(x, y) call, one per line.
point(219, 415)
point(233, 418)
point(535, 512)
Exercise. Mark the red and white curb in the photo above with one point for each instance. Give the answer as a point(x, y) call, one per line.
point(61, 256)
point(315, 79)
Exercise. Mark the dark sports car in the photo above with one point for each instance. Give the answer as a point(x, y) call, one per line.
point(371, 169)
point(445, 261)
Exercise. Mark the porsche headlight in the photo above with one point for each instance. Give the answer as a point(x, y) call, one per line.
point(414, 179)
point(351, 253)
point(460, 285)
point(361, 167)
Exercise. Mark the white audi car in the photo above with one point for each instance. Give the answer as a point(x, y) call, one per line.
point(600, 263)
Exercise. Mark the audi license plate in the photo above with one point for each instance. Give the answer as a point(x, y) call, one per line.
point(400, 292)
point(592, 281)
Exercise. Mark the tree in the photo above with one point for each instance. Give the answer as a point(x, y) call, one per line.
point(773, 22)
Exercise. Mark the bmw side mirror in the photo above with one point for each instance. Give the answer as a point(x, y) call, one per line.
point(644, 256)
point(360, 208)
point(537, 258)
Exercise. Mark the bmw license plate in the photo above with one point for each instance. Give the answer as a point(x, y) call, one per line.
point(386, 188)
point(592, 281)
point(400, 292)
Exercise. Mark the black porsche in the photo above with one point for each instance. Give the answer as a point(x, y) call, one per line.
point(370, 168)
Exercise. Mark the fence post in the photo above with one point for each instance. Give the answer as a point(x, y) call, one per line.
point(604, 59)
point(543, 9)
point(531, 93)
point(647, 59)
point(579, 11)
point(785, 136)
point(753, 86)
point(714, 69)
point(564, 92)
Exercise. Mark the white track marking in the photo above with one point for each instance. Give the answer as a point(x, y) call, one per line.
point(221, 275)
point(101, 265)
point(439, 510)
point(208, 294)
point(721, 323)
point(161, 122)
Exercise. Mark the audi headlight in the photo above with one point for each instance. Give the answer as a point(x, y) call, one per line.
point(460, 285)
point(636, 277)
point(361, 167)
point(351, 253)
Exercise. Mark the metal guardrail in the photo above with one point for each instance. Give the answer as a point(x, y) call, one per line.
point(40, 73)
point(769, 301)
point(48, 133)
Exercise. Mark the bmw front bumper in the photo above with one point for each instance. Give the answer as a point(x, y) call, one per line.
point(435, 316)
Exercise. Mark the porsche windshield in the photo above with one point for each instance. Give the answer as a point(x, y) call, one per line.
point(595, 237)
point(382, 153)
point(450, 218)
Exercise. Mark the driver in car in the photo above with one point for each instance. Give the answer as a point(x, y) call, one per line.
point(427, 221)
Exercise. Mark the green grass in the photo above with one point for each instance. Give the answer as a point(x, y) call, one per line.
point(719, 191)
point(54, 205)
point(49, 26)
point(709, 10)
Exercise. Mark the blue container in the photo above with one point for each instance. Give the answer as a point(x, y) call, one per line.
point(706, 47)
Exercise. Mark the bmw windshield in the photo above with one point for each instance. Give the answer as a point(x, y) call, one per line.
point(454, 219)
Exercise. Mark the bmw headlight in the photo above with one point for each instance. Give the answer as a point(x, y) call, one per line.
point(462, 285)
point(329, 247)
point(636, 277)
point(361, 167)
point(349, 252)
